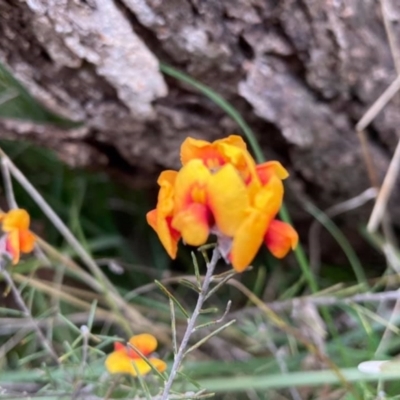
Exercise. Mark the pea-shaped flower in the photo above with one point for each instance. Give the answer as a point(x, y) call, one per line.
point(18, 238)
point(221, 190)
point(125, 360)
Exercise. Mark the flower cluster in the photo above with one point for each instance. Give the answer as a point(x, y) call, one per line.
point(18, 238)
point(125, 360)
point(221, 190)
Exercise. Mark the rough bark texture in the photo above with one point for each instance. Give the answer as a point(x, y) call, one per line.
point(302, 72)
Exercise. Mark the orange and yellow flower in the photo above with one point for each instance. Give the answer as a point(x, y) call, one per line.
point(221, 190)
point(125, 360)
point(18, 238)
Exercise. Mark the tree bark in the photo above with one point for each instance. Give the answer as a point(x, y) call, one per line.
point(301, 72)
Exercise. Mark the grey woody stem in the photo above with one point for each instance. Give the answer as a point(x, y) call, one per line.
point(191, 324)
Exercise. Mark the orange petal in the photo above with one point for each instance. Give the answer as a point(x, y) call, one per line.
point(192, 149)
point(15, 219)
point(280, 238)
point(167, 177)
point(151, 218)
point(233, 140)
point(228, 199)
point(248, 239)
point(267, 169)
point(26, 241)
point(145, 343)
point(13, 245)
point(193, 223)
point(160, 218)
point(118, 346)
point(160, 365)
point(169, 237)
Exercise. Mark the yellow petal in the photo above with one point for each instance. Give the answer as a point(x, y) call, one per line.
point(280, 238)
point(141, 367)
point(248, 239)
point(118, 362)
point(190, 185)
point(15, 219)
point(144, 342)
point(228, 199)
point(233, 140)
point(165, 202)
point(269, 198)
point(267, 169)
point(193, 224)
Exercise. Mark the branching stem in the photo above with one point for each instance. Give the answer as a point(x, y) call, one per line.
point(191, 324)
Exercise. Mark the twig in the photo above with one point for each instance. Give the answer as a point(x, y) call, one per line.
point(8, 189)
point(19, 300)
point(191, 324)
point(385, 191)
point(379, 104)
point(320, 301)
point(394, 46)
point(366, 153)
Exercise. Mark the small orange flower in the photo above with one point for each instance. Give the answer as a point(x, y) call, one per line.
point(125, 360)
point(18, 238)
point(221, 190)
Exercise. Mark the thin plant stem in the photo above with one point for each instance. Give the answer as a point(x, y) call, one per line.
point(385, 191)
point(8, 189)
point(191, 324)
point(21, 304)
point(325, 301)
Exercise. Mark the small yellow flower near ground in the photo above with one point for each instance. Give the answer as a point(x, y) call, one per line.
point(18, 238)
point(125, 360)
point(221, 190)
